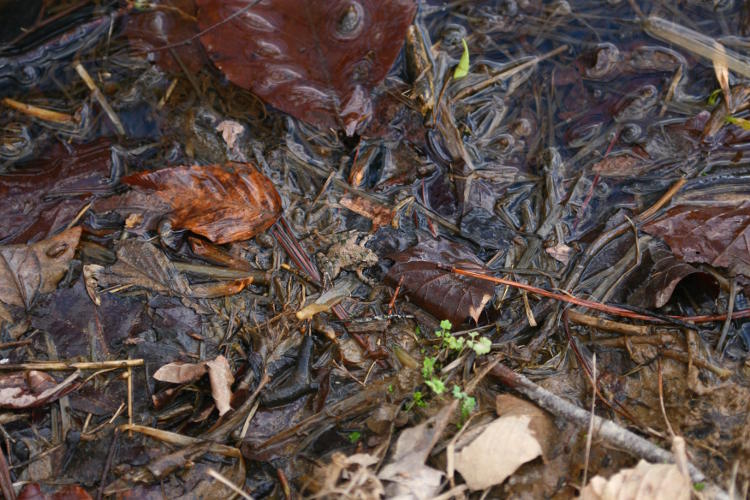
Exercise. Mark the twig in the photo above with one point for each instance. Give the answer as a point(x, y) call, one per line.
point(606, 429)
point(61, 366)
point(37, 112)
point(107, 464)
point(100, 98)
point(728, 321)
point(609, 325)
point(229, 484)
point(176, 439)
point(590, 433)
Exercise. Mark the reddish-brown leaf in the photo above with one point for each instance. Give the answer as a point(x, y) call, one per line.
point(317, 61)
point(223, 203)
point(172, 24)
point(717, 234)
point(444, 294)
point(33, 491)
point(27, 270)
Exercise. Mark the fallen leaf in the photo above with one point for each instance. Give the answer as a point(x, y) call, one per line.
point(43, 196)
point(19, 390)
point(180, 373)
point(482, 466)
point(664, 272)
point(221, 379)
point(230, 131)
point(33, 491)
point(219, 375)
point(717, 234)
point(350, 477)
point(644, 482)
point(169, 23)
point(230, 203)
point(379, 214)
point(444, 294)
point(28, 270)
point(317, 61)
point(406, 473)
point(540, 423)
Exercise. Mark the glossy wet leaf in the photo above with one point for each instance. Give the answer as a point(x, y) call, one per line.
point(442, 293)
point(226, 203)
point(167, 23)
point(317, 61)
point(717, 234)
point(28, 270)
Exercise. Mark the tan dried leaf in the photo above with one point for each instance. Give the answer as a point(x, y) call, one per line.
point(221, 379)
point(482, 466)
point(644, 482)
point(541, 424)
point(27, 270)
point(180, 373)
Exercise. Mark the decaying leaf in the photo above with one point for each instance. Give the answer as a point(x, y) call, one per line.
point(170, 23)
point(717, 234)
point(350, 478)
point(219, 374)
point(407, 475)
point(482, 466)
point(33, 491)
point(379, 214)
point(442, 293)
point(644, 482)
point(32, 388)
point(540, 423)
point(226, 203)
point(317, 61)
point(27, 270)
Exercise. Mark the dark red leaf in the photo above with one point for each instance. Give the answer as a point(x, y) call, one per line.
point(230, 203)
point(173, 24)
point(717, 234)
point(44, 195)
point(444, 294)
point(33, 491)
point(317, 61)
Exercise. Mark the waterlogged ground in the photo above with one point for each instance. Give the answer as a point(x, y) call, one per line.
point(286, 248)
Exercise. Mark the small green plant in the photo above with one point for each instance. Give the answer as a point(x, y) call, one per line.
point(462, 69)
point(699, 486)
point(354, 437)
point(391, 389)
point(468, 403)
point(714, 97)
point(417, 400)
point(428, 367)
point(437, 385)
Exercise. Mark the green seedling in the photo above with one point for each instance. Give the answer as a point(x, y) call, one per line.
point(463, 64)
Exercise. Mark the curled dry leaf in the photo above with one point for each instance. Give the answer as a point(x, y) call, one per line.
point(442, 293)
point(718, 234)
point(219, 375)
point(33, 388)
point(317, 61)
point(644, 482)
point(482, 466)
point(27, 270)
point(223, 203)
point(350, 477)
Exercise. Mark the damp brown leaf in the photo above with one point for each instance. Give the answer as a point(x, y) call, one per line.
point(444, 294)
point(33, 388)
point(28, 270)
point(317, 61)
point(717, 234)
point(226, 203)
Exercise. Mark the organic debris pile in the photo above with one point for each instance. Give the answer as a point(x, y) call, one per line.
point(372, 249)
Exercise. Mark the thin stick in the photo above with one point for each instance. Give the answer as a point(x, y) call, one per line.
point(130, 399)
point(35, 111)
point(661, 400)
point(728, 321)
point(609, 325)
point(590, 434)
point(86, 77)
point(176, 439)
point(62, 366)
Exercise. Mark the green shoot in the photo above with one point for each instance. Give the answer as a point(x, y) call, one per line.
point(740, 122)
point(463, 64)
point(354, 437)
point(437, 385)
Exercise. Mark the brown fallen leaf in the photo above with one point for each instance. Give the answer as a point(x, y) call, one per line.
point(33, 491)
point(226, 203)
point(379, 214)
point(540, 424)
point(219, 375)
point(33, 388)
point(644, 482)
point(349, 477)
point(28, 270)
point(482, 466)
point(317, 61)
point(442, 293)
point(718, 234)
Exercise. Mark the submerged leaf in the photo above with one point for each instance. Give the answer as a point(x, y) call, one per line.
point(230, 203)
point(317, 61)
point(27, 270)
point(718, 234)
point(442, 293)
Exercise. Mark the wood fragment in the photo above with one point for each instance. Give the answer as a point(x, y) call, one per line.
point(44, 114)
point(86, 77)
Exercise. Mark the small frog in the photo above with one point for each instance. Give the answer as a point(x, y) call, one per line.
point(349, 255)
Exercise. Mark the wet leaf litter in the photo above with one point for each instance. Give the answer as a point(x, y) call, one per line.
point(374, 249)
